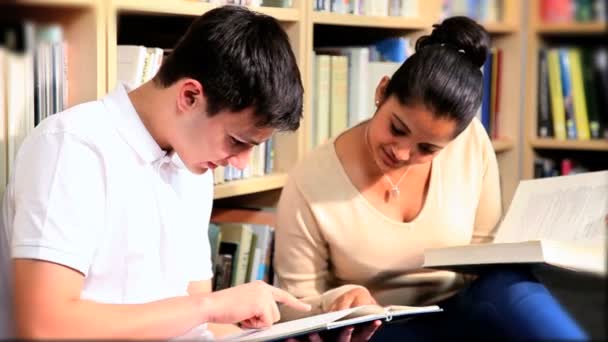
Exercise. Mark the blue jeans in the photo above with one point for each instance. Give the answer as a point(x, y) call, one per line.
point(509, 304)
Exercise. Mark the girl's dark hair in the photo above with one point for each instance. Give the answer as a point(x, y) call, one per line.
point(243, 59)
point(444, 73)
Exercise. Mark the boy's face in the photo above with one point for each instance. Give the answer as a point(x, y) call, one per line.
point(204, 142)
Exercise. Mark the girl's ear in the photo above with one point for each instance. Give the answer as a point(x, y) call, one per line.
point(380, 93)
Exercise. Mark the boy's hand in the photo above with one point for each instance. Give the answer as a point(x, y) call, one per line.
point(355, 297)
point(254, 305)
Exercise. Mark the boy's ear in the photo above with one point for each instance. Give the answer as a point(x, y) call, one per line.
point(190, 95)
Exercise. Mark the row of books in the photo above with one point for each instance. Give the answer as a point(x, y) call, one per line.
point(241, 243)
point(572, 88)
point(480, 10)
point(137, 64)
point(269, 3)
point(549, 167)
point(393, 8)
point(489, 111)
point(33, 83)
point(345, 80)
point(556, 11)
point(261, 163)
point(344, 83)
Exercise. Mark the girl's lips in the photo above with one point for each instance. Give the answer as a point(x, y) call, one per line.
point(389, 160)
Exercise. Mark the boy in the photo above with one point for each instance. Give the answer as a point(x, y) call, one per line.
point(106, 209)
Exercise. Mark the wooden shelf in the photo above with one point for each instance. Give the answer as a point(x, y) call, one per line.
point(553, 144)
point(250, 185)
point(502, 144)
point(58, 3)
point(499, 28)
point(195, 8)
point(571, 28)
point(328, 18)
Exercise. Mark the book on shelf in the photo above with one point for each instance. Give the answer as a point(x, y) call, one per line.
point(557, 221)
point(544, 123)
point(392, 8)
point(3, 130)
point(480, 10)
point(600, 66)
point(568, 11)
point(571, 93)
point(558, 110)
point(566, 74)
point(331, 321)
point(33, 82)
point(137, 64)
point(259, 165)
point(234, 232)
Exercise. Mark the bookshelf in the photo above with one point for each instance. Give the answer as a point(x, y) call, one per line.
point(83, 27)
point(94, 28)
point(249, 186)
point(507, 35)
point(590, 153)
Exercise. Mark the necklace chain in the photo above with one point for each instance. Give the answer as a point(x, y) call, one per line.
point(395, 192)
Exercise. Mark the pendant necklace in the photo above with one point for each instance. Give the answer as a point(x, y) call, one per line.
point(394, 191)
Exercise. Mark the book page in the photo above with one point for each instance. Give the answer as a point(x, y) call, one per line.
point(568, 208)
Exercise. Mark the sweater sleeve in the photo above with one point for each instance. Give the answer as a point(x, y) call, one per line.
point(489, 209)
point(301, 257)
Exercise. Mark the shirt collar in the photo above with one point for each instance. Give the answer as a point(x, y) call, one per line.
point(131, 128)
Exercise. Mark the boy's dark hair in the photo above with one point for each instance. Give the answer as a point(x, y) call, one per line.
point(444, 74)
point(243, 59)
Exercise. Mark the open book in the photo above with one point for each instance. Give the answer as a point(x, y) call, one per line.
point(559, 221)
point(331, 320)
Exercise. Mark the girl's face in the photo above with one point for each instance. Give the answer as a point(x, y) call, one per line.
point(400, 135)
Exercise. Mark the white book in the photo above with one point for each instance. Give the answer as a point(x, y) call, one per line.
point(409, 8)
point(358, 83)
point(329, 321)
point(3, 128)
point(322, 99)
point(19, 96)
point(131, 62)
point(558, 221)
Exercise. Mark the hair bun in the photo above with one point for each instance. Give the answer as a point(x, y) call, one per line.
point(462, 34)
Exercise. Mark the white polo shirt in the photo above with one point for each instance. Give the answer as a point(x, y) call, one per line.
point(92, 190)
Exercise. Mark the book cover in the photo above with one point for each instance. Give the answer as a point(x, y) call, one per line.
point(322, 98)
point(565, 70)
point(557, 99)
point(578, 95)
point(339, 95)
point(3, 130)
point(545, 127)
point(589, 85)
point(557, 221)
point(240, 235)
point(487, 91)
